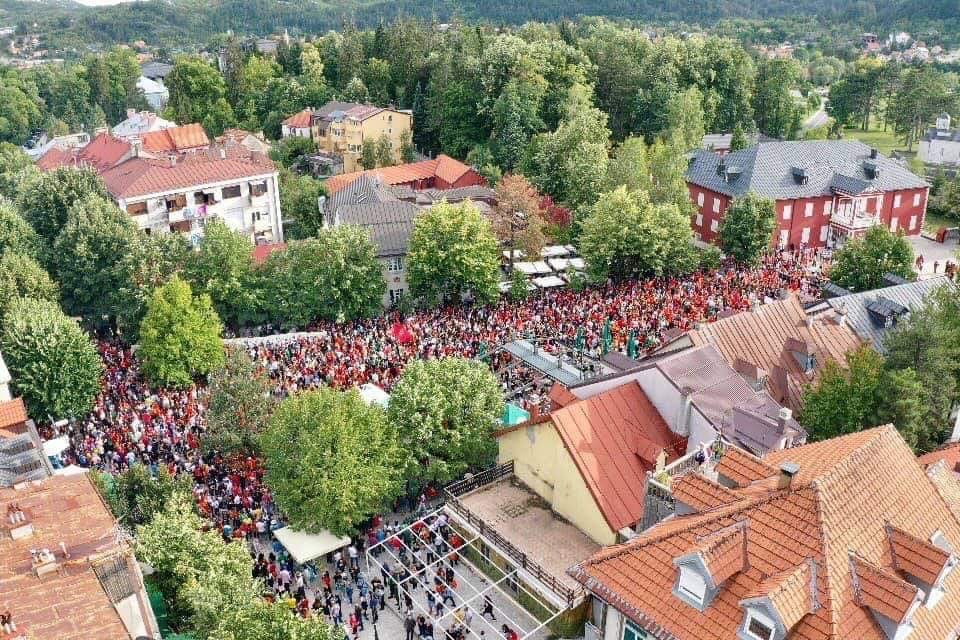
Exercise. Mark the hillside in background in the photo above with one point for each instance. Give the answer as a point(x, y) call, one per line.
point(173, 22)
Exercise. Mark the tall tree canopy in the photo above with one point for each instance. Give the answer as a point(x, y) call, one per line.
point(747, 228)
point(46, 198)
point(860, 264)
point(241, 403)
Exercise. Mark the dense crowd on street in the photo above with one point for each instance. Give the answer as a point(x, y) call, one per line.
point(132, 423)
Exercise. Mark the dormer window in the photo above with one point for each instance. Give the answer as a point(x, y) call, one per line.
point(759, 628)
point(692, 585)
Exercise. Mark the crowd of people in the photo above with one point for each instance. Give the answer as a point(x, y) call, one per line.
point(132, 423)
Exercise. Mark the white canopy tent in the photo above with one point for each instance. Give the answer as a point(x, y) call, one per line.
point(562, 264)
point(372, 394)
point(533, 268)
point(548, 282)
point(304, 547)
point(556, 251)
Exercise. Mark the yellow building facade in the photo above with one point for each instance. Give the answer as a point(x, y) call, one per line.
point(342, 128)
point(542, 462)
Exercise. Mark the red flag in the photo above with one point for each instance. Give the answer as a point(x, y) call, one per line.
point(400, 333)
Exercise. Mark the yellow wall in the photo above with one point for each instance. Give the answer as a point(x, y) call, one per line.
point(389, 122)
point(542, 463)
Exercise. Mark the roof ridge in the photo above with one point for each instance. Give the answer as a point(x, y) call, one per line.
point(843, 464)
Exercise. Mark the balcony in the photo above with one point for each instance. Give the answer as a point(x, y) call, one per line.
point(659, 502)
point(855, 222)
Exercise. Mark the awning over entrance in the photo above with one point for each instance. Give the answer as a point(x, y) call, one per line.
point(304, 547)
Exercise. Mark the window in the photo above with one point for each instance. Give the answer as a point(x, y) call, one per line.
point(258, 188)
point(633, 632)
point(716, 205)
point(913, 222)
point(916, 199)
point(256, 216)
point(699, 221)
point(808, 210)
point(827, 208)
point(896, 201)
point(395, 264)
point(137, 208)
point(784, 236)
point(805, 235)
point(894, 223)
point(700, 199)
point(787, 211)
point(759, 629)
point(598, 613)
point(714, 225)
point(395, 295)
point(692, 585)
point(824, 230)
point(231, 192)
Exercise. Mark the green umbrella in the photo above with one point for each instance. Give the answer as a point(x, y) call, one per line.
point(581, 339)
point(632, 344)
point(482, 351)
point(607, 337)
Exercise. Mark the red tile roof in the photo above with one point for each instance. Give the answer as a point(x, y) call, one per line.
point(725, 553)
point(701, 493)
point(841, 501)
point(791, 592)
point(743, 467)
point(72, 604)
point(443, 167)
point(53, 158)
point(183, 138)
point(560, 396)
point(916, 557)
point(764, 338)
point(949, 453)
point(145, 176)
point(101, 153)
point(300, 120)
point(262, 251)
point(13, 417)
point(614, 438)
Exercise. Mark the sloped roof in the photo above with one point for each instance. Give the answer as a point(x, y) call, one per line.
point(442, 166)
point(948, 453)
point(300, 120)
point(102, 152)
point(760, 337)
point(390, 224)
point(149, 86)
point(766, 169)
point(261, 252)
point(74, 606)
point(701, 493)
point(13, 414)
point(144, 176)
point(614, 438)
point(840, 502)
point(910, 295)
point(176, 139)
point(155, 69)
point(139, 123)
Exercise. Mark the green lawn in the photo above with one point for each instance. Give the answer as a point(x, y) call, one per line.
point(933, 223)
point(883, 141)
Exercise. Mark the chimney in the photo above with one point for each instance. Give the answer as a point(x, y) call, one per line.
point(783, 417)
point(873, 153)
point(721, 166)
point(173, 160)
point(787, 471)
point(682, 424)
point(223, 154)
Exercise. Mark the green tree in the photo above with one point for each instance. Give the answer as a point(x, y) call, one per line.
point(860, 264)
point(747, 228)
point(332, 460)
point(624, 236)
point(335, 276)
point(445, 412)
point(518, 286)
point(288, 151)
point(99, 252)
point(222, 268)
point(514, 119)
point(20, 113)
point(179, 336)
point(368, 154)
point(356, 91)
point(138, 496)
point(738, 140)
point(773, 105)
point(16, 234)
point(517, 220)
point(408, 152)
point(54, 365)
point(299, 201)
point(629, 167)
point(685, 119)
point(384, 152)
point(46, 199)
point(854, 98)
point(198, 94)
point(452, 252)
point(570, 163)
point(241, 403)
point(22, 277)
point(921, 94)
point(13, 164)
point(112, 80)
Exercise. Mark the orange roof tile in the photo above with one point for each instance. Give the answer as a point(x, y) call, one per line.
point(560, 396)
point(743, 467)
point(949, 453)
point(725, 553)
point(300, 120)
point(763, 338)
point(855, 486)
point(881, 590)
point(262, 251)
point(947, 485)
point(444, 167)
point(182, 138)
point(12, 413)
point(53, 158)
point(614, 438)
point(72, 604)
point(701, 493)
point(791, 592)
point(916, 557)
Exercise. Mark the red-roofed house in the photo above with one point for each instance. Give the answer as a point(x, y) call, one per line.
point(297, 125)
point(591, 458)
point(847, 539)
point(174, 180)
point(442, 172)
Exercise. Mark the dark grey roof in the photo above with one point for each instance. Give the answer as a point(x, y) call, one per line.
point(767, 169)
point(155, 69)
point(367, 189)
point(390, 223)
point(951, 135)
point(910, 295)
point(334, 106)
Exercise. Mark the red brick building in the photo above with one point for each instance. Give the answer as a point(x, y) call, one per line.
point(826, 190)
